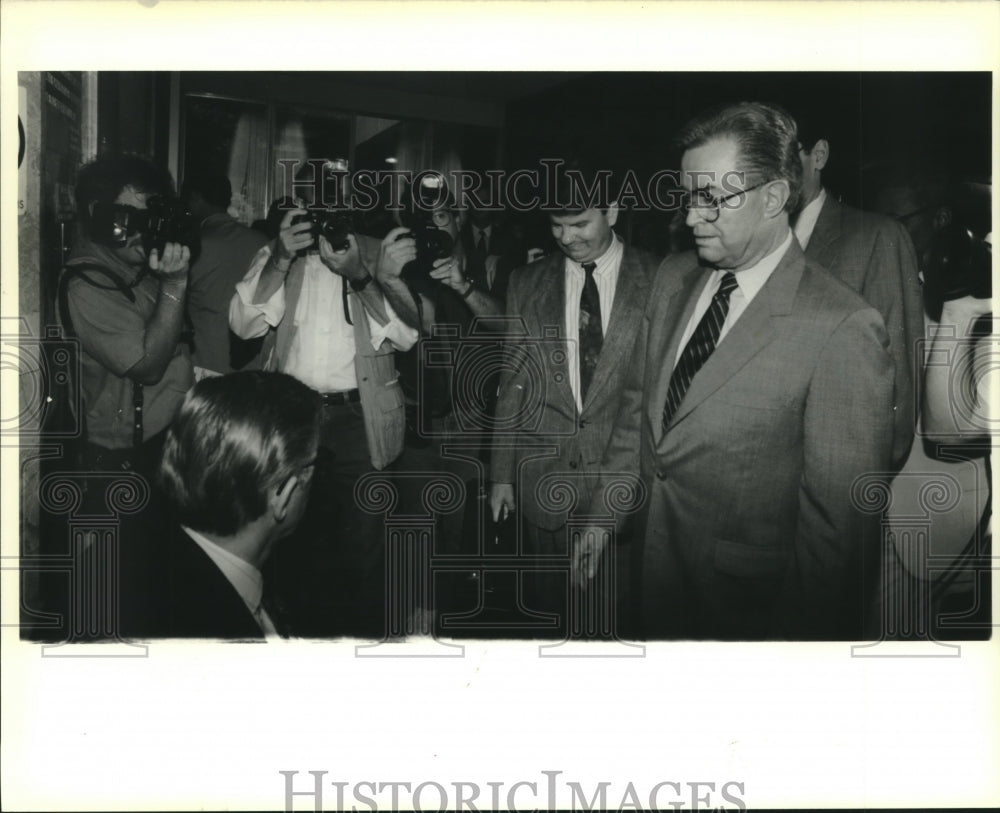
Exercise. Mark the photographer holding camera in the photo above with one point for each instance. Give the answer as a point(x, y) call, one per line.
point(312, 295)
point(426, 274)
point(122, 294)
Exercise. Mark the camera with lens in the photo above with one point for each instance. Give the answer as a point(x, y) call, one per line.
point(333, 224)
point(958, 264)
point(165, 220)
point(433, 244)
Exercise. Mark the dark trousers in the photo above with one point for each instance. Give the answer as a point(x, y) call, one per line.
point(330, 574)
point(603, 609)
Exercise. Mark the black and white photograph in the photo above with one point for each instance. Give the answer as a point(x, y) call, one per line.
point(423, 438)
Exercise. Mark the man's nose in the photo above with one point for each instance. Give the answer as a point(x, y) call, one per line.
point(566, 237)
point(693, 216)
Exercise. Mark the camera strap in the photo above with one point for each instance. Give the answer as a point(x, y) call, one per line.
point(116, 283)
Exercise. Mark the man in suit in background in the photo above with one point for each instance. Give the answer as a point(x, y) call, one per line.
point(580, 310)
point(225, 251)
point(236, 473)
point(760, 389)
point(873, 255)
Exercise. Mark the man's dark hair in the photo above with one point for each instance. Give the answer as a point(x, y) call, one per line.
point(767, 138)
point(235, 438)
point(581, 184)
point(103, 179)
point(811, 126)
point(213, 188)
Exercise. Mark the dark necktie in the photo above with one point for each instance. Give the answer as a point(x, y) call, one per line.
point(699, 347)
point(590, 333)
point(477, 266)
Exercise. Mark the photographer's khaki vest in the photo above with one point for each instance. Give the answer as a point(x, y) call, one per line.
point(382, 400)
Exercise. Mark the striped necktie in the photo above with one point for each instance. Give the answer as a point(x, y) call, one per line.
point(699, 347)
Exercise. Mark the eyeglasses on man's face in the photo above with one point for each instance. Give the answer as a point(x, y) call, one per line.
point(708, 205)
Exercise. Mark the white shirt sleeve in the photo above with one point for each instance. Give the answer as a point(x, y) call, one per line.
point(248, 320)
point(400, 335)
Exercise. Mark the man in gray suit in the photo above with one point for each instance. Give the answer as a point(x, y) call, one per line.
point(562, 384)
point(760, 390)
point(873, 255)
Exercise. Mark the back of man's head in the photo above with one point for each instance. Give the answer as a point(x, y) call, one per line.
point(235, 438)
point(214, 189)
point(103, 180)
point(766, 136)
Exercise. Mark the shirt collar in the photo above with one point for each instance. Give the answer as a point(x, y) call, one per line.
point(243, 576)
point(213, 219)
point(606, 263)
point(89, 250)
point(751, 280)
point(806, 221)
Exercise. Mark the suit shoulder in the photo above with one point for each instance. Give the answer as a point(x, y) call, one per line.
point(864, 225)
point(826, 293)
point(673, 266)
point(527, 276)
point(646, 260)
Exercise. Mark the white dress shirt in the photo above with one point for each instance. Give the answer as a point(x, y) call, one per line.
point(243, 576)
point(748, 283)
point(322, 350)
point(606, 277)
point(806, 221)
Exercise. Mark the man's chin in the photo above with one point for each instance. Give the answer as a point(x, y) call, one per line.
point(705, 254)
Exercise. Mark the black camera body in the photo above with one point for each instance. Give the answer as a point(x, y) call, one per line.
point(333, 224)
point(433, 244)
point(958, 264)
point(165, 220)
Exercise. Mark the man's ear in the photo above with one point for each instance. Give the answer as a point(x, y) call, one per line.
point(820, 154)
point(942, 217)
point(775, 197)
point(280, 498)
point(612, 214)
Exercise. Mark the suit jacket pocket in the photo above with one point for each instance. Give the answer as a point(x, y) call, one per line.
point(751, 562)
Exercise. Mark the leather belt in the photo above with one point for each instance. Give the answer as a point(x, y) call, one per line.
point(340, 398)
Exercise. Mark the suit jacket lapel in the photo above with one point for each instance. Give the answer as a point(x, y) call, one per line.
point(629, 303)
point(826, 231)
point(752, 332)
point(681, 291)
point(550, 305)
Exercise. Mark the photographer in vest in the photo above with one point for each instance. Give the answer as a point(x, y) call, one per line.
point(122, 295)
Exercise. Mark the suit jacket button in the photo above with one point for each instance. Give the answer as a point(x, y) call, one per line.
point(661, 474)
point(572, 464)
point(583, 423)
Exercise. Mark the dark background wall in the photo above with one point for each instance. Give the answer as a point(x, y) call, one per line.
point(867, 117)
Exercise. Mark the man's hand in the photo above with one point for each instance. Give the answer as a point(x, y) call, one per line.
point(346, 263)
point(501, 500)
point(449, 271)
point(964, 310)
point(173, 265)
point(588, 548)
point(394, 254)
point(292, 238)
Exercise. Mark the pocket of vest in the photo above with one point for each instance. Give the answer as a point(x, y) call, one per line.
point(390, 396)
